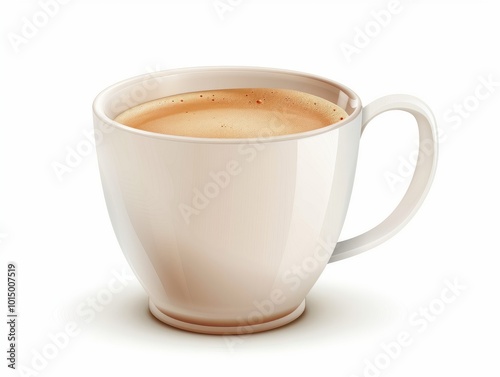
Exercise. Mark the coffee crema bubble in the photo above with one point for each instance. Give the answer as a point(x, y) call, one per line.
point(234, 113)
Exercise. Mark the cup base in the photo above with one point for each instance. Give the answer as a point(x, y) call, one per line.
point(227, 330)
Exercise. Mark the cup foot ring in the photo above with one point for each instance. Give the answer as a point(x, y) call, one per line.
point(227, 330)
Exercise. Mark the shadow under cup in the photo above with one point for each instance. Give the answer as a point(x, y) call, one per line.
point(227, 236)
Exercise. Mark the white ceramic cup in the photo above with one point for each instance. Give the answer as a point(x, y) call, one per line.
point(227, 236)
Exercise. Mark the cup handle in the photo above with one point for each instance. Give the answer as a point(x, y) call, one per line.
point(420, 183)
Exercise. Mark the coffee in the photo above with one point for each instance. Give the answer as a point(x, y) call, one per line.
point(216, 229)
point(234, 113)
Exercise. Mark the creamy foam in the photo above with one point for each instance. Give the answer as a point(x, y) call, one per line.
point(234, 113)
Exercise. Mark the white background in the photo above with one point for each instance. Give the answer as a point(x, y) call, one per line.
point(58, 232)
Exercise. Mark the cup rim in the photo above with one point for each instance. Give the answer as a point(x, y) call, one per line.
point(102, 98)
